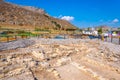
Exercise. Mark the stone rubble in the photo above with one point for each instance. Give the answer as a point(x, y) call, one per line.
point(43, 59)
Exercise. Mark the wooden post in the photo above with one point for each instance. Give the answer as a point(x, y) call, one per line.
point(7, 38)
point(106, 38)
point(29, 33)
point(0, 38)
point(15, 37)
point(22, 36)
point(111, 38)
point(64, 36)
point(119, 40)
point(119, 37)
point(102, 38)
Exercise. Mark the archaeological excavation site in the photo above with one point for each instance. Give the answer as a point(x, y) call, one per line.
point(54, 59)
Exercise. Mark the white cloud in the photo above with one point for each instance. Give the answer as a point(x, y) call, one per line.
point(67, 18)
point(59, 16)
point(115, 20)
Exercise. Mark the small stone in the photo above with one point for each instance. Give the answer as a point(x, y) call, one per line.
point(32, 64)
point(50, 70)
point(9, 58)
point(3, 59)
point(1, 76)
point(56, 46)
point(63, 61)
point(56, 73)
point(45, 64)
point(39, 55)
point(54, 55)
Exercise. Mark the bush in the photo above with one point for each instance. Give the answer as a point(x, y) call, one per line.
point(38, 29)
point(58, 26)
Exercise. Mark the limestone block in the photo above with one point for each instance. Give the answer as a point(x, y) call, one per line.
point(38, 54)
point(63, 61)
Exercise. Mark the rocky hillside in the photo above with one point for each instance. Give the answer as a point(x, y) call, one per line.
point(11, 14)
point(33, 9)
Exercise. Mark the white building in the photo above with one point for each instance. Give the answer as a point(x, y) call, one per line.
point(92, 32)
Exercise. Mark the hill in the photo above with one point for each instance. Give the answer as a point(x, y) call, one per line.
point(29, 17)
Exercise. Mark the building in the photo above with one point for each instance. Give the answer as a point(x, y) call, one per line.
point(91, 32)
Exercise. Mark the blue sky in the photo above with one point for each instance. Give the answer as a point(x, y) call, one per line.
point(81, 13)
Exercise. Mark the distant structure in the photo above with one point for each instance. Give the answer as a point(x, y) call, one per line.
point(91, 31)
point(104, 28)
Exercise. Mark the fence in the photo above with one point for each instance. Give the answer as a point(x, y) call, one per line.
point(113, 39)
point(12, 38)
point(9, 38)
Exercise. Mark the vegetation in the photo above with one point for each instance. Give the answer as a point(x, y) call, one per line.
point(41, 30)
point(88, 28)
point(100, 31)
point(9, 33)
point(78, 29)
point(46, 16)
point(58, 26)
point(23, 33)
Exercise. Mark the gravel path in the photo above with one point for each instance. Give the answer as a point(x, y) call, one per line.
point(16, 44)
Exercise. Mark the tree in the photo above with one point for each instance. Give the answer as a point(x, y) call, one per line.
point(88, 28)
point(100, 31)
point(119, 28)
